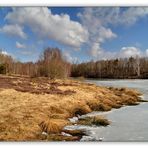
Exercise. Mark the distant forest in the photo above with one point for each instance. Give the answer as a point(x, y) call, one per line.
point(112, 69)
point(52, 64)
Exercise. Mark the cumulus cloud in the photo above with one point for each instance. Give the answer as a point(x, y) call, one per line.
point(106, 33)
point(95, 50)
point(124, 52)
point(19, 45)
point(97, 21)
point(98, 32)
point(105, 55)
point(96, 40)
point(132, 14)
point(93, 30)
point(127, 52)
point(146, 52)
point(13, 30)
point(69, 58)
point(4, 52)
point(115, 15)
point(47, 25)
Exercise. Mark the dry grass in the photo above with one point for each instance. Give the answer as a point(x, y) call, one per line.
point(96, 120)
point(53, 126)
point(59, 137)
point(79, 133)
point(25, 115)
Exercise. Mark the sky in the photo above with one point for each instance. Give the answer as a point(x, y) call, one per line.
point(82, 33)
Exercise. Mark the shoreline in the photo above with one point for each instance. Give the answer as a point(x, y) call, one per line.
point(36, 106)
point(83, 130)
point(106, 79)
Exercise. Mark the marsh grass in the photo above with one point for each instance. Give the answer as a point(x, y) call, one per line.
point(53, 126)
point(104, 107)
point(81, 110)
point(95, 120)
point(25, 115)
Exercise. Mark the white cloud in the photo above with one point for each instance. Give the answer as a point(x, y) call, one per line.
point(115, 15)
point(13, 30)
point(98, 32)
point(126, 52)
point(4, 52)
point(102, 54)
point(93, 29)
point(19, 45)
point(97, 21)
point(47, 25)
point(96, 40)
point(95, 50)
point(69, 58)
point(105, 33)
point(146, 51)
point(132, 14)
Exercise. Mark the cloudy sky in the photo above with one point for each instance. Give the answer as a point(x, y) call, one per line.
point(81, 33)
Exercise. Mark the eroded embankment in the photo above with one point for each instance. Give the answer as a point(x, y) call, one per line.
point(30, 107)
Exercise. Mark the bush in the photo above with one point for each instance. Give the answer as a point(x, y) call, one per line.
point(2, 69)
point(52, 64)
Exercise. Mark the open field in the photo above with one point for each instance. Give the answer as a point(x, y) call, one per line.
point(31, 106)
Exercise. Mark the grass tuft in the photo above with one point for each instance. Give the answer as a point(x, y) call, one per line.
point(53, 126)
point(97, 120)
point(104, 107)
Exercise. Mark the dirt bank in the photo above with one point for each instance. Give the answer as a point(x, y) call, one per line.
point(31, 106)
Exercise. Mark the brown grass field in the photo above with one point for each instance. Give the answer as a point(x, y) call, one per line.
point(30, 106)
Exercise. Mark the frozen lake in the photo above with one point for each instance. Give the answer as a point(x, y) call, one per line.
point(128, 123)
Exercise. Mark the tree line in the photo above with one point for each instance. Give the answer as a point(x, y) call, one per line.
point(115, 68)
point(51, 63)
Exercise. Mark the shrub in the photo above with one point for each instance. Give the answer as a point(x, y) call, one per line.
point(52, 64)
point(2, 69)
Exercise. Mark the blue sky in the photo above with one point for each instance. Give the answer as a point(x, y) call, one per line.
point(82, 34)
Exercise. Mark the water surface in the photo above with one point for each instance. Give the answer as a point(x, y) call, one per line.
point(128, 123)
